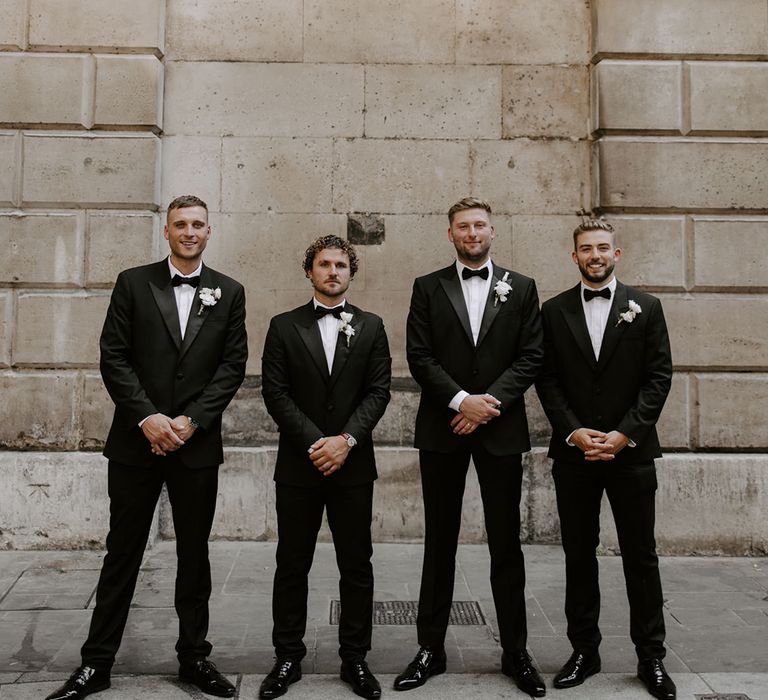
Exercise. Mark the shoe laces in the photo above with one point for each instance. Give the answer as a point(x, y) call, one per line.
point(285, 668)
point(83, 674)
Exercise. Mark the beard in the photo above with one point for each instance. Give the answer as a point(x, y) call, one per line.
point(597, 277)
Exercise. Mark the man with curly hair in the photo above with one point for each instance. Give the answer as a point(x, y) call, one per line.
point(326, 373)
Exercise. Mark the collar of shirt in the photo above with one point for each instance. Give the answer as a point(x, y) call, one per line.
point(329, 331)
point(611, 285)
point(460, 266)
point(317, 304)
point(175, 271)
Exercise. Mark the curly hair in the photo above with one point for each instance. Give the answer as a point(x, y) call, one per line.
point(468, 203)
point(590, 222)
point(330, 241)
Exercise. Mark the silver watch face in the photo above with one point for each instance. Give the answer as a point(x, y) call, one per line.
point(351, 441)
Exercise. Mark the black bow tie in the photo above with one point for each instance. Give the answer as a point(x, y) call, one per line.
point(178, 280)
point(590, 294)
point(467, 272)
point(321, 311)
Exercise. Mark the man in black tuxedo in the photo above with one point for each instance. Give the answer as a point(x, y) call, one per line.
point(474, 345)
point(173, 354)
point(326, 373)
point(607, 373)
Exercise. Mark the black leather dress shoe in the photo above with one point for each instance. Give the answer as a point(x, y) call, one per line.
point(577, 669)
point(359, 676)
point(283, 673)
point(86, 680)
point(657, 681)
point(519, 667)
point(427, 662)
point(204, 675)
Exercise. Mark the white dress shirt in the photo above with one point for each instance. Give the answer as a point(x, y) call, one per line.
point(475, 291)
point(596, 314)
point(329, 332)
point(185, 295)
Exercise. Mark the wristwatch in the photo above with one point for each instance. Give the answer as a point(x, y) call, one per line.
point(351, 442)
point(192, 422)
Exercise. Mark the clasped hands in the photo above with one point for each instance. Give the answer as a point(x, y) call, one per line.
point(329, 453)
point(166, 434)
point(597, 445)
point(475, 410)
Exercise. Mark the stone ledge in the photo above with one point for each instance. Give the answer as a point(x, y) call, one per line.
point(706, 504)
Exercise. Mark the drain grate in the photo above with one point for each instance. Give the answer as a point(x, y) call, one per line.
point(723, 696)
point(403, 612)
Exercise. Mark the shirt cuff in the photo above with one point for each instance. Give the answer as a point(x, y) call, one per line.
point(455, 402)
point(568, 439)
point(631, 443)
point(144, 420)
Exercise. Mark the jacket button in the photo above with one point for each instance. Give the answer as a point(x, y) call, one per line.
point(180, 375)
point(329, 407)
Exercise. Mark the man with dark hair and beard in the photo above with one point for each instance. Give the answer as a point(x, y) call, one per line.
point(606, 376)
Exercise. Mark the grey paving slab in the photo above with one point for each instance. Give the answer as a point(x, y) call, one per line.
point(754, 685)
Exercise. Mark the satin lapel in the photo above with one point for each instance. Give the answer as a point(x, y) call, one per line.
point(343, 350)
point(491, 309)
point(196, 320)
point(166, 303)
point(573, 314)
point(613, 329)
point(309, 332)
point(452, 287)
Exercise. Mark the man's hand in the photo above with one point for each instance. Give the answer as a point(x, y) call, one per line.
point(162, 433)
point(612, 443)
point(591, 443)
point(479, 408)
point(187, 430)
point(462, 425)
point(329, 453)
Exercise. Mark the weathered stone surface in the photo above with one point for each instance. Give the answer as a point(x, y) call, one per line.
point(192, 165)
point(521, 32)
point(718, 240)
point(6, 324)
point(732, 411)
point(653, 250)
point(683, 173)
point(92, 24)
point(723, 96)
point(94, 170)
point(58, 329)
point(674, 426)
point(531, 177)
point(281, 175)
point(263, 99)
point(432, 102)
point(717, 331)
point(42, 89)
point(12, 21)
point(42, 249)
point(239, 30)
point(96, 411)
point(638, 95)
point(8, 161)
point(43, 414)
point(116, 241)
point(545, 101)
point(365, 229)
point(53, 500)
point(129, 91)
point(399, 176)
point(680, 27)
point(378, 31)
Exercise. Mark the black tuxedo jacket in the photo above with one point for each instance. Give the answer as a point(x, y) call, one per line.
point(307, 402)
point(624, 390)
point(147, 368)
point(443, 358)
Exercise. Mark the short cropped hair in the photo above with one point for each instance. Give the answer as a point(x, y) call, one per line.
point(330, 241)
point(590, 222)
point(187, 200)
point(468, 203)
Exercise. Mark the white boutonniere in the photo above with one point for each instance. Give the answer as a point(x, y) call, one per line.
point(345, 327)
point(208, 297)
point(502, 289)
point(629, 315)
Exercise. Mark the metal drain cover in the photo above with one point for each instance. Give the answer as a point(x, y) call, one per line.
point(403, 612)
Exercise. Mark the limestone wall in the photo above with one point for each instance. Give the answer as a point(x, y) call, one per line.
point(368, 118)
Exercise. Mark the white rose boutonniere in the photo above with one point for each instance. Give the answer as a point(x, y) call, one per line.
point(345, 327)
point(629, 315)
point(502, 289)
point(208, 297)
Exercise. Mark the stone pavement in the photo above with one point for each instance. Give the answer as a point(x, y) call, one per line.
point(716, 613)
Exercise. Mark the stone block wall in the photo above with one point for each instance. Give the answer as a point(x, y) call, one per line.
point(295, 118)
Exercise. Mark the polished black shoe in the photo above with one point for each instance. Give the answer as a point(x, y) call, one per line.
point(86, 680)
point(204, 675)
point(519, 667)
point(577, 669)
point(283, 673)
point(656, 679)
point(427, 662)
point(359, 676)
